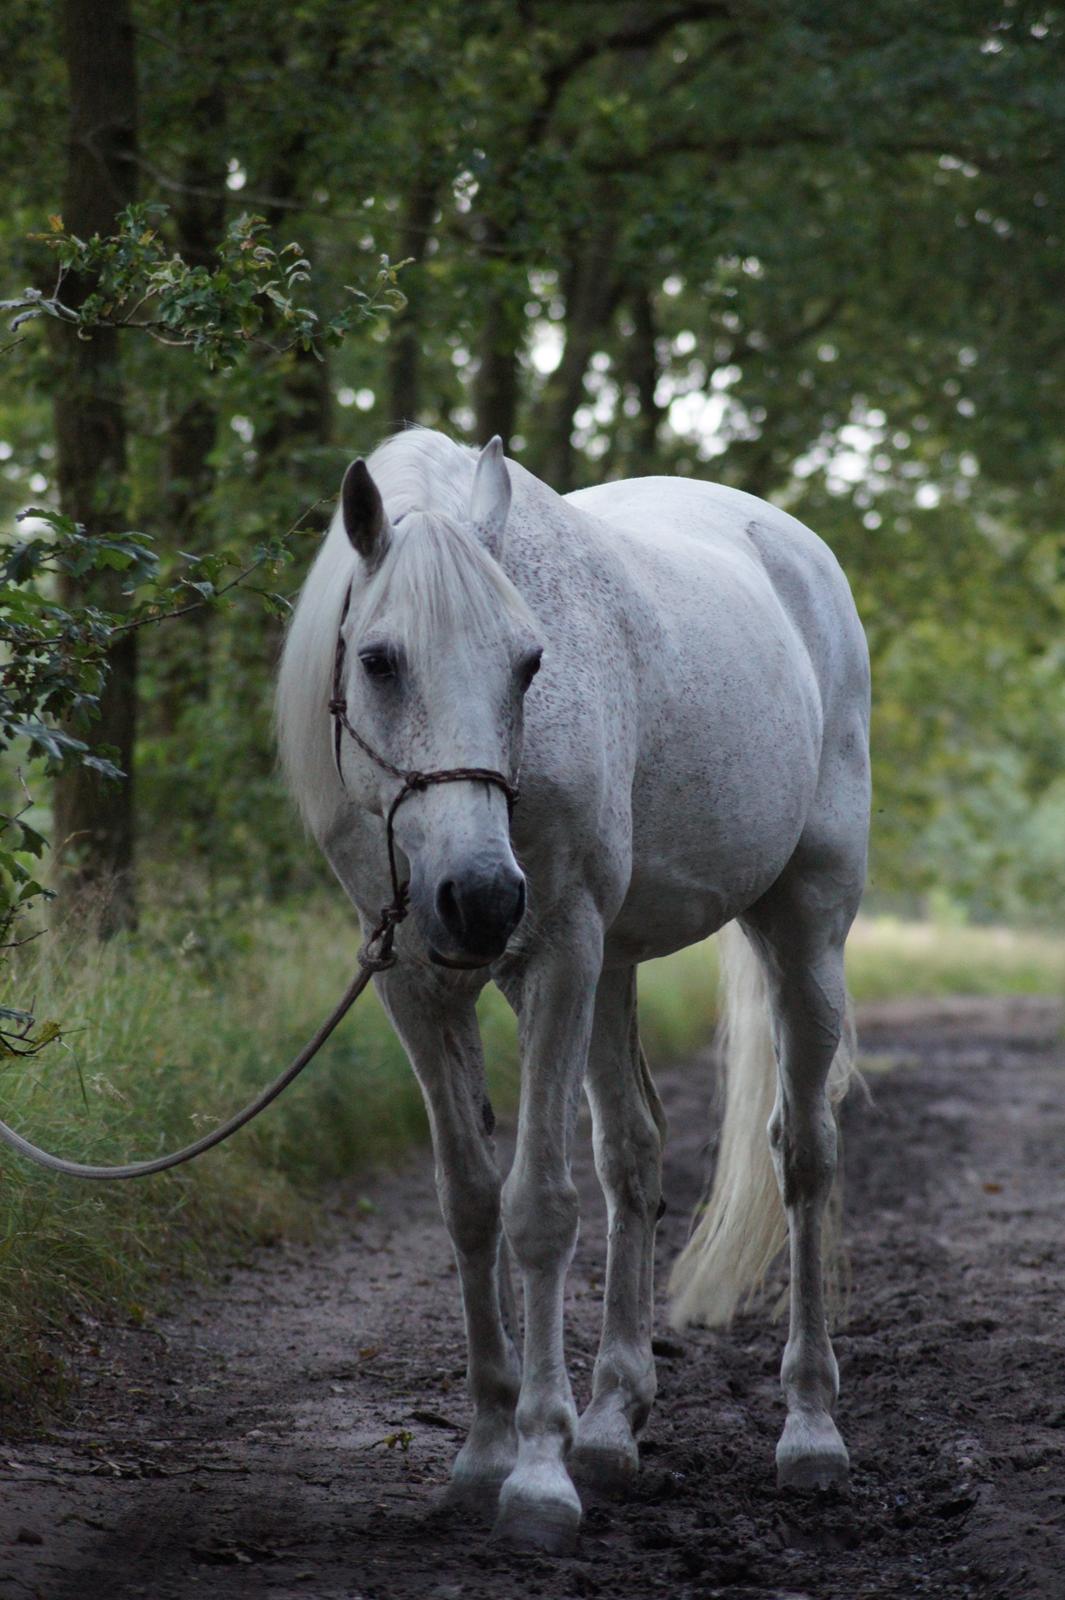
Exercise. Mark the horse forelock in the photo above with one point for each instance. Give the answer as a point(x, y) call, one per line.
point(438, 583)
point(420, 470)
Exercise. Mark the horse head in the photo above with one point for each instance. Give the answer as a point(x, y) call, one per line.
point(436, 653)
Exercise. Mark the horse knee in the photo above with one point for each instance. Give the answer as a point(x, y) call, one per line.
point(471, 1212)
point(540, 1216)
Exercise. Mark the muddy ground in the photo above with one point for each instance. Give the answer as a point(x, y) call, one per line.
point(287, 1432)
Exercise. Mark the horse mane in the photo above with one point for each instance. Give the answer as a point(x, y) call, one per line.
point(436, 569)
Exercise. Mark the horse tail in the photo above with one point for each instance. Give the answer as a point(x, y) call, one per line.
point(743, 1227)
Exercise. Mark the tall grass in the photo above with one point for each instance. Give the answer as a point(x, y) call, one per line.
point(166, 1031)
point(171, 1028)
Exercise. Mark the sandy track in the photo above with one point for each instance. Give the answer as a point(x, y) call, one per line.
point(287, 1433)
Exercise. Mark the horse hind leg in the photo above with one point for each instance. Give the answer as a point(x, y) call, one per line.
point(628, 1131)
point(802, 954)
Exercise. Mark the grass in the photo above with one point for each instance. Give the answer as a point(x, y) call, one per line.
point(173, 1027)
point(169, 1030)
point(887, 959)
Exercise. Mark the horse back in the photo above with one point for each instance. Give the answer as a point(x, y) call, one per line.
point(712, 534)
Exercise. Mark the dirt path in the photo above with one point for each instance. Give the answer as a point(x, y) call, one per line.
point(288, 1434)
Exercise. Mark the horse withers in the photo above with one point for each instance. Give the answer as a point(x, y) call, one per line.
point(675, 675)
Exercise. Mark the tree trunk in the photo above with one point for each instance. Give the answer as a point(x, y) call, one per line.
point(643, 369)
point(292, 446)
point(94, 818)
point(590, 305)
point(497, 382)
point(405, 338)
point(200, 218)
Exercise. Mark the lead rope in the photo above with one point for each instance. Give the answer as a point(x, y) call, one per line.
point(376, 955)
point(143, 1169)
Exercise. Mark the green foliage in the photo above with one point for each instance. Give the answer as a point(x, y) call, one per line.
point(255, 295)
point(841, 294)
point(56, 638)
point(57, 652)
point(890, 959)
point(56, 655)
point(57, 662)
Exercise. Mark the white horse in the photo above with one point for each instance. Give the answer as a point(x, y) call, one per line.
point(693, 750)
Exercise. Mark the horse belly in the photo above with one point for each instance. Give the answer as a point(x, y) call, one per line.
point(714, 825)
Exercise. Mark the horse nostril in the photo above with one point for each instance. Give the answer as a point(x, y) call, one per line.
point(449, 908)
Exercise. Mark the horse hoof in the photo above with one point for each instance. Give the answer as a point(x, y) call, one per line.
point(482, 1466)
point(539, 1510)
point(549, 1529)
point(605, 1456)
point(606, 1469)
point(811, 1455)
point(473, 1497)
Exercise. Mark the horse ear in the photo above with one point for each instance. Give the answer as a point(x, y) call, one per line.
point(365, 521)
point(490, 498)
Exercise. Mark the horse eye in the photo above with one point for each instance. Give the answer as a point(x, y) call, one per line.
point(529, 668)
point(378, 664)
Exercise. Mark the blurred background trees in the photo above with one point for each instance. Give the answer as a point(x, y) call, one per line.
point(814, 251)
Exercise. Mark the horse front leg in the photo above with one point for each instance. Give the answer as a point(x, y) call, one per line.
point(539, 1506)
point(440, 1033)
point(628, 1131)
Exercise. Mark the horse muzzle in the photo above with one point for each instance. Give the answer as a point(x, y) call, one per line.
point(476, 912)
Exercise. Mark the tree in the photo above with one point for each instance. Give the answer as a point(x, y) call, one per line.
point(628, 257)
point(94, 815)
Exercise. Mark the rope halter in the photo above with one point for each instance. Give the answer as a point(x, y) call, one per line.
point(377, 954)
